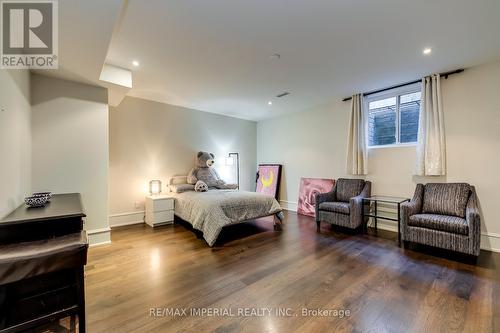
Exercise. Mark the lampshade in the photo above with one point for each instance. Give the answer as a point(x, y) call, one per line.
point(155, 187)
point(233, 159)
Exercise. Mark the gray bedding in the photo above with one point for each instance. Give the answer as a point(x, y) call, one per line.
point(210, 211)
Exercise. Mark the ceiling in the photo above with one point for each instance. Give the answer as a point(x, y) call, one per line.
point(215, 55)
point(85, 31)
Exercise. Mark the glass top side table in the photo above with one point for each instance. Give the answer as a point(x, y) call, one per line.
point(385, 215)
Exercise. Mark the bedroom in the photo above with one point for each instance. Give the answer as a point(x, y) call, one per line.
point(138, 89)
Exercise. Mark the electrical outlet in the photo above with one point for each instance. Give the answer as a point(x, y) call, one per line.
point(138, 204)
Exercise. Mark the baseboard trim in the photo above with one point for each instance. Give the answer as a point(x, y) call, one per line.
point(385, 225)
point(289, 205)
point(100, 243)
point(100, 236)
point(493, 241)
point(123, 219)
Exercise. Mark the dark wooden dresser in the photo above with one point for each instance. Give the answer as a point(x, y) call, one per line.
point(42, 256)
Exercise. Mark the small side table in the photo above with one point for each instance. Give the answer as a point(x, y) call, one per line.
point(159, 210)
point(385, 215)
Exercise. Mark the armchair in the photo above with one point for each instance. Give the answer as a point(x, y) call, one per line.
point(343, 206)
point(443, 215)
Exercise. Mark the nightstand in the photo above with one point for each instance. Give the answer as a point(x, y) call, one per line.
point(159, 210)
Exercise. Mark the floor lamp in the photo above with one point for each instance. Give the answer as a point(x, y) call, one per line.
point(230, 160)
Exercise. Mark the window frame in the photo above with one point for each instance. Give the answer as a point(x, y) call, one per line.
point(396, 92)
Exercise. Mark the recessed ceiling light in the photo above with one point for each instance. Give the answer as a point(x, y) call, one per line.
point(275, 56)
point(270, 103)
point(135, 63)
point(427, 51)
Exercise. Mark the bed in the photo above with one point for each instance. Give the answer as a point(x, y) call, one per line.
point(210, 211)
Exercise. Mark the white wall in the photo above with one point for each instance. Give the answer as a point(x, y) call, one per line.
point(15, 139)
point(313, 144)
point(151, 140)
point(70, 146)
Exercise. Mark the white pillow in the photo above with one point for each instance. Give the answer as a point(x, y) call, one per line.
point(179, 188)
point(176, 180)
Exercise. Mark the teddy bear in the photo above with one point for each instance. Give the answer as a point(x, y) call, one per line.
point(206, 173)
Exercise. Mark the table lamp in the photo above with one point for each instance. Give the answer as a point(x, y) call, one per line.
point(155, 187)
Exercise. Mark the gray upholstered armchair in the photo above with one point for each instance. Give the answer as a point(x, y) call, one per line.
point(343, 206)
point(443, 215)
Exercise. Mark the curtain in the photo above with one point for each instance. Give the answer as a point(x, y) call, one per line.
point(357, 158)
point(431, 147)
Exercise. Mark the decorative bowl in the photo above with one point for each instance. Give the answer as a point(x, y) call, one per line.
point(36, 201)
point(43, 194)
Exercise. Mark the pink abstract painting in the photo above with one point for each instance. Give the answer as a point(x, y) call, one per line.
point(268, 179)
point(309, 187)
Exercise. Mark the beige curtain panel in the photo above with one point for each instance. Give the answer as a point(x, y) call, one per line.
point(431, 147)
point(357, 157)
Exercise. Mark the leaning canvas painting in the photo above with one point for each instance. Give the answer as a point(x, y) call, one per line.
point(309, 188)
point(268, 179)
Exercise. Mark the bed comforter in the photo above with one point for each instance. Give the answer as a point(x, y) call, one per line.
point(210, 211)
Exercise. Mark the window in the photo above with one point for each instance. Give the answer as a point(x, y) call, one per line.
point(393, 117)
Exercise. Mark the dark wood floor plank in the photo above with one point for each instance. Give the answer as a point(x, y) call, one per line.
point(386, 288)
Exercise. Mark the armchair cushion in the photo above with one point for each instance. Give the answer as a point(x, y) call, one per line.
point(446, 199)
point(348, 188)
point(336, 207)
point(447, 223)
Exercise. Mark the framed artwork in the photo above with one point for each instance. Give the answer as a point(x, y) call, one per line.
point(268, 179)
point(308, 189)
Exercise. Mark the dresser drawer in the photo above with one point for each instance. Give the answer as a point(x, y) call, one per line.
point(156, 218)
point(163, 204)
point(165, 216)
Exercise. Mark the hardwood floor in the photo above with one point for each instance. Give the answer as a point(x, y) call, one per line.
point(385, 288)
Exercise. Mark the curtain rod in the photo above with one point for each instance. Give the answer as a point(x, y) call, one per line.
point(445, 75)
